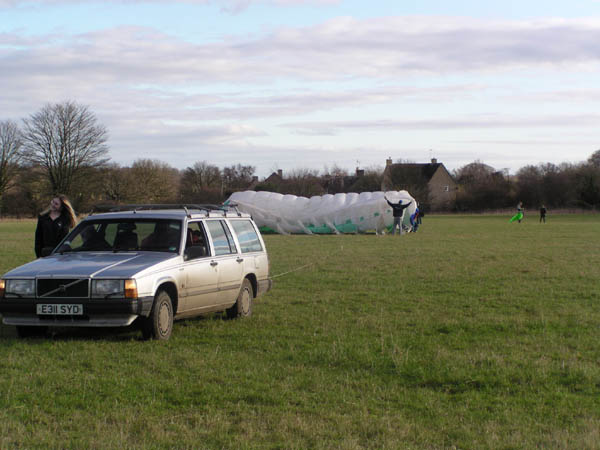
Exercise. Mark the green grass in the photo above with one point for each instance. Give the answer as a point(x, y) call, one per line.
point(471, 333)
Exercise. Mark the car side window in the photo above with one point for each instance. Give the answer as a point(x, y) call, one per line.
point(247, 236)
point(232, 246)
point(196, 242)
point(221, 237)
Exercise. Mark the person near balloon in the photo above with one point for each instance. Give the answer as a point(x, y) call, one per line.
point(398, 212)
point(415, 220)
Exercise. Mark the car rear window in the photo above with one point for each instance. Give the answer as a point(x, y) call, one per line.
point(247, 236)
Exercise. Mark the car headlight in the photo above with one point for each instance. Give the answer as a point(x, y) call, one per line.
point(107, 288)
point(19, 288)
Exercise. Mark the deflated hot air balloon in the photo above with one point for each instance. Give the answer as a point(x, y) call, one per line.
point(339, 213)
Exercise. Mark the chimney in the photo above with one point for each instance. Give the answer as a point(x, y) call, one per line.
point(433, 160)
point(360, 172)
point(280, 173)
point(388, 162)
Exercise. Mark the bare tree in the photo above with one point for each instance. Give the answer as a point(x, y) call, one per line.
point(371, 181)
point(63, 138)
point(10, 154)
point(482, 187)
point(303, 182)
point(586, 179)
point(202, 175)
point(333, 179)
point(594, 159)
point(201, 183)
point(236, 177)
point(335, 171)
point(152, 181)
point(116, 183)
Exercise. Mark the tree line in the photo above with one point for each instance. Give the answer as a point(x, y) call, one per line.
point(566, 185)
point(62, 149)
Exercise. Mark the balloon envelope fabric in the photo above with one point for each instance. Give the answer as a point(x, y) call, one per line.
point(323, 214)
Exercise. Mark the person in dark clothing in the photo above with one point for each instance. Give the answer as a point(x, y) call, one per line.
point(415, 220)
point(398, 211)
point(53, 224)
point(543, 214)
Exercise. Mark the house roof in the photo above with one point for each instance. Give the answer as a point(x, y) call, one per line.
point(274, 178)
point(413, 172)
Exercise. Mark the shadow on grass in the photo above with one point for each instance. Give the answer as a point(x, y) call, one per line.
point(71, 333)
point(115, 334)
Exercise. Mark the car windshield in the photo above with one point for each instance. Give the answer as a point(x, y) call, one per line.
point(155, 235)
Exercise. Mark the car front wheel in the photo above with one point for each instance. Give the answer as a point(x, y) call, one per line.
point(159, 324)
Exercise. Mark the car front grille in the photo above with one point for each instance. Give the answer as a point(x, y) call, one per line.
point(62, 288)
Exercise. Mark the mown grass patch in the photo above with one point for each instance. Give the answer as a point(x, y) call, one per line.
point(470, 333)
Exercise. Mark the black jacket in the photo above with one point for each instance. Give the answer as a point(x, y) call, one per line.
point(50, 232)
point(398, 207)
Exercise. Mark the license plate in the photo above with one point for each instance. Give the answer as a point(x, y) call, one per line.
point(59, 309)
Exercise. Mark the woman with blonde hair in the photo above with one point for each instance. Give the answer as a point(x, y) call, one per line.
point(53, 225)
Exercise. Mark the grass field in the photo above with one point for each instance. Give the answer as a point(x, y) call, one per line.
point(471, 333)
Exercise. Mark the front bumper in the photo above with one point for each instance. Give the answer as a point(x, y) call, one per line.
point(114, 312)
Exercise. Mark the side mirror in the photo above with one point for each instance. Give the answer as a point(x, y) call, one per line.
point(197, 251)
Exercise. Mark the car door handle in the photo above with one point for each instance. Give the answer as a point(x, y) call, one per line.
point(240, 260)
point(214, 263)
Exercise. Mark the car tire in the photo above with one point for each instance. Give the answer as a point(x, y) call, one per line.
point(159, 324)
point(243, 304)
point(27, 331)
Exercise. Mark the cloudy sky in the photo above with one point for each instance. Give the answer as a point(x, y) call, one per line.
point(314, 83)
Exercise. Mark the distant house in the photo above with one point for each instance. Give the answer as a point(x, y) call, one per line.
point(334, 184)
point(305, 185)
point(276, 178)
point(430, 183)
point(253, 184)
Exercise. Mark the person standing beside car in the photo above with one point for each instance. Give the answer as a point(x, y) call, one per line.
point(53, 224)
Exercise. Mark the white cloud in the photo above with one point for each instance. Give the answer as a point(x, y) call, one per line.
point(153, 90)
point(322, 128)
point(340, 49)
point(233, 6)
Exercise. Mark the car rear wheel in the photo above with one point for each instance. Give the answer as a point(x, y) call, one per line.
point(159, 324)
point(243, 304)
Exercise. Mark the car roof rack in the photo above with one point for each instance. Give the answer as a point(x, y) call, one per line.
point(102, 208)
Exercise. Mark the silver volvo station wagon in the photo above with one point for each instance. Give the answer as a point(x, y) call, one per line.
point(147, 266)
